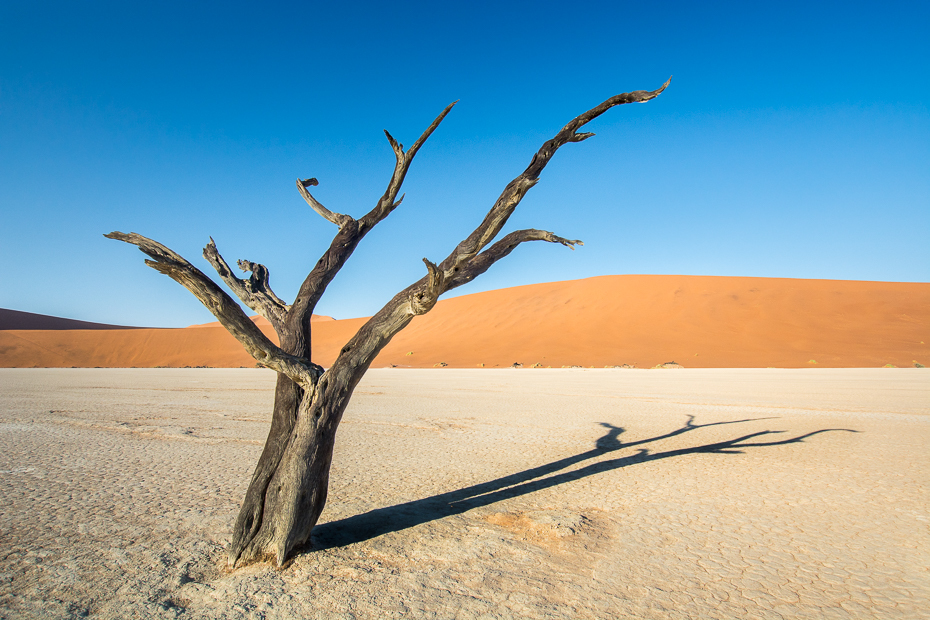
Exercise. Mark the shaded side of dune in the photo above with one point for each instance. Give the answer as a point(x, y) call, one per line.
point(16, 319)
point(640, 320)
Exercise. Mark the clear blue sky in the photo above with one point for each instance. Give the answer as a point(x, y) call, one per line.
point(793, 142)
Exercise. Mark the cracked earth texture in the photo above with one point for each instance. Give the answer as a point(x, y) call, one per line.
point(477, 494)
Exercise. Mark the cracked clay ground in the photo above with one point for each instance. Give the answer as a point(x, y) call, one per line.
point(477, 494)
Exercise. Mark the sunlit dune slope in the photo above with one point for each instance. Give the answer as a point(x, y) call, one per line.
point(641, 320)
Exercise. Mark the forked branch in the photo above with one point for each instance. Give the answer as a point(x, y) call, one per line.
point(403, 159)
point(227, 311)
point(481, 263)
point(259, 280)
point(515, 191)
point(352, 231)
point(467, 261)
point(255, 292)
point(289, 487)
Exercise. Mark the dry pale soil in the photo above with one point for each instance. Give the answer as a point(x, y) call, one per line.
point(521, 493)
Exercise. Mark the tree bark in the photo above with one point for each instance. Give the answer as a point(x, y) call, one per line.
point(288, 489)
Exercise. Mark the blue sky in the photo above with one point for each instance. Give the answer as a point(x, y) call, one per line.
point(794, 141)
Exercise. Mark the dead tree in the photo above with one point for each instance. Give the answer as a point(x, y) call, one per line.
point(290, 482)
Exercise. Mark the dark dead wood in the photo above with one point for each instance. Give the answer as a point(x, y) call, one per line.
point(290, 484)
point(258, 282)
point(515, 191)
point(255, 292)
point(465, 263)
point(227, 311)
point(260, 514)
point(481, 263)
point(351, 232)
point(338, 219)
point(304, 465)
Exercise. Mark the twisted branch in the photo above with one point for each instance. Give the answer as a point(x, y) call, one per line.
point(227, 311)
point(259, 280)
point(338, 219)
point(517, 189)
point(481, 263)
point(255, 292)
point(352, 231)
point(467, 261)
point(388, 201)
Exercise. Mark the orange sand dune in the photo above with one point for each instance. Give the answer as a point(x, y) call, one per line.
point(642, 320)
point(263, 322)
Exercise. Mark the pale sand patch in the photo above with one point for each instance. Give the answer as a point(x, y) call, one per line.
point(484, 493)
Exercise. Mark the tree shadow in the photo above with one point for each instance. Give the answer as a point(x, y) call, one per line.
point(402, 516)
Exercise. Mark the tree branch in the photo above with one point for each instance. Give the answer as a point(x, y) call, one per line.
point(338, 219)
point(259, 280)
point(255, 292)
point(481, 263)
point(403, 160)
point(515, 191)
point(465, 263)
point(224, 309)
point(352, 231)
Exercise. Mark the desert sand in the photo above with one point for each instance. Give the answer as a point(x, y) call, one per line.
point(696, 321)
point(509, 493)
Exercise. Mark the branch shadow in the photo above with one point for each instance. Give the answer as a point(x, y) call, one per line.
point(381, 521)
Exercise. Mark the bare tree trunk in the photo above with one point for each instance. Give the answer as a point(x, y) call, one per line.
point(296, 491)
point(287, 402)
point(289, 486)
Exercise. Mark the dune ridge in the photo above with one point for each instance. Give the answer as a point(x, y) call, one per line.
point(637, 320)
point(16, 319)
